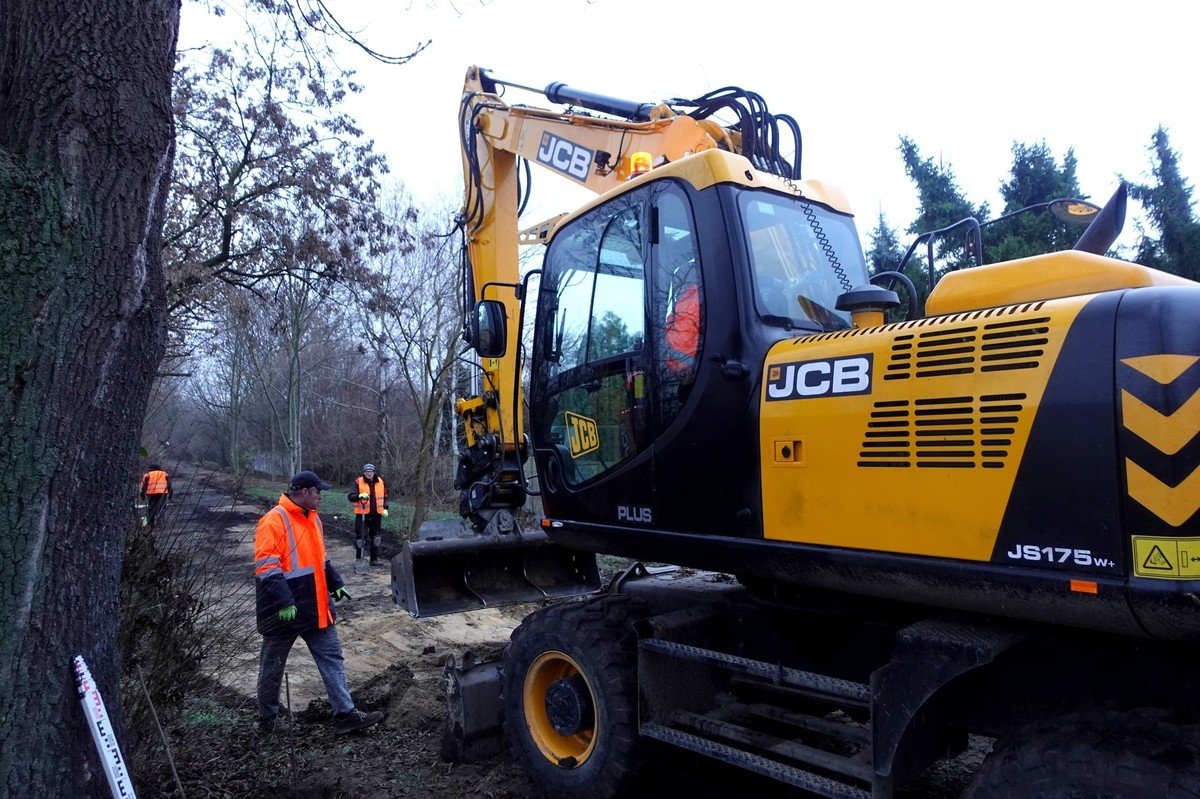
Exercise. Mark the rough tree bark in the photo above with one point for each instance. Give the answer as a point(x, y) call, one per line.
point(85, 159)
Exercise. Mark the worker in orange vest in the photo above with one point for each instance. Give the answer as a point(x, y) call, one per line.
point(370, 501)
point(294, 581)
point(156, 487)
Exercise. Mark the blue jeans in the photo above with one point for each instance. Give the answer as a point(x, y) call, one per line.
point(326, 650)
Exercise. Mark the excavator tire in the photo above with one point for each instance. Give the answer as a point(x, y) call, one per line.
point(1095, 754)
point(582, 656)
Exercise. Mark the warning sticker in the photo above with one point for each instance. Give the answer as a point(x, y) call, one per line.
point(1166, 558)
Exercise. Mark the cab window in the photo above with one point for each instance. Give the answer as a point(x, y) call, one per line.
point(803, 256)
point(591, 335)
point(676, 303)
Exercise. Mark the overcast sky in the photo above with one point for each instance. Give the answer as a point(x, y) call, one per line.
point(964, 80)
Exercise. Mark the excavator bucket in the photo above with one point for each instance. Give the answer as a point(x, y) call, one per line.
point(451, 568)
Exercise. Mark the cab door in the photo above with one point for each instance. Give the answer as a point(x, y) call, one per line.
point(589, 407)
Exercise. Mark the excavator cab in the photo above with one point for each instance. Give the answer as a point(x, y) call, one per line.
point(655, 312)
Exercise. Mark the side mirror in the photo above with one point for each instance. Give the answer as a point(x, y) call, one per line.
point(489, 329)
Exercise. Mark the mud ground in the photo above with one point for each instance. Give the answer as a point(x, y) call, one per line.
point(394, 663)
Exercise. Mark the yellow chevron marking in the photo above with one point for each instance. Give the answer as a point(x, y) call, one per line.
point(1166, 432)
point(1163, 368)
point(1173, 505)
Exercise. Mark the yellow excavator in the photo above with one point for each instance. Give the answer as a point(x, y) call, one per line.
point(979, 519)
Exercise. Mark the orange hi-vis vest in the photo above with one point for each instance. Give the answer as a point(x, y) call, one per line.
point(291, 568)
point(376, 491)
point(156, 482)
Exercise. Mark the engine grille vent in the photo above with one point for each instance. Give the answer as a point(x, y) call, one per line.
point(942, 432)
point(994, 347)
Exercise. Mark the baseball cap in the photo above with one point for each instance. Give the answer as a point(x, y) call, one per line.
point(308, 480)
point(368, 467)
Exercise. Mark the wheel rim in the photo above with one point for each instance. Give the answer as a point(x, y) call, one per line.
point(559, 749)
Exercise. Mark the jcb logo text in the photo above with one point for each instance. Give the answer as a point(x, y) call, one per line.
point(567, 157)
point(582, 434)
point(807, 379)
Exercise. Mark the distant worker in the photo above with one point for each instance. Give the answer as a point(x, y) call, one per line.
point(294, 581)
point(370, 501)
point(156, 487)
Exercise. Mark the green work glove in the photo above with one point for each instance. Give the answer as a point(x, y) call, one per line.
point(288, 614)
point(340, 593)
point(383, 512)
point(364, 496)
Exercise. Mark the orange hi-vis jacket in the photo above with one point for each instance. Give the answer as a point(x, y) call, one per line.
point(156, 482)
point(291, 568)
point(376, 495)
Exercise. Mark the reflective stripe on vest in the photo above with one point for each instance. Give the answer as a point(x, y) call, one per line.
point(271, 561)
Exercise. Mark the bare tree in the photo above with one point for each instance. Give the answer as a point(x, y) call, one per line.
point(222, 383)
point(261, 142)
point(287, 318)
point(413, 310)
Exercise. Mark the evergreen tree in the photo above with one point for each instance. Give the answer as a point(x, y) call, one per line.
point(610, 336)
point(1169, 205)
point(885, 252)
point(1035, 178)
point(941, 203)
point(885, 255)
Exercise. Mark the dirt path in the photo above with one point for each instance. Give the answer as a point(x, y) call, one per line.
point(393, 663)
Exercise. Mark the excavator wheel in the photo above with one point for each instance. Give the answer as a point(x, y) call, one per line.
point(1095, 754)
point(570, 697)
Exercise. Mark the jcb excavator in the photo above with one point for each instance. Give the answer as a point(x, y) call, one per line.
point(979, 520)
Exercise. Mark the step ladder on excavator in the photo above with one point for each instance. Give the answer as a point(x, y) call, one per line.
point(797, 727)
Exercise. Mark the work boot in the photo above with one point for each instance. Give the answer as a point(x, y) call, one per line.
point(375, 561)
point(275, 725)
point(356, 720)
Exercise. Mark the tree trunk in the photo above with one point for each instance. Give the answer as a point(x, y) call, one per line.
point(431, 418)
point(293, 412)
point(385, 442)
point(421, 478)
point(297, 322)
point(85, 157)
point(237, 385)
